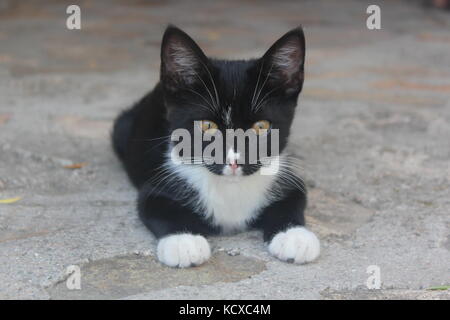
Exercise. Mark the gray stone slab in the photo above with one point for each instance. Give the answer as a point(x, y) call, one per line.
point(371, 128)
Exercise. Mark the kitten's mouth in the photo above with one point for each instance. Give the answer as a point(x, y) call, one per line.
point(232, 170)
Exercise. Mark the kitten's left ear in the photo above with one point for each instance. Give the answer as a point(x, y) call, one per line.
point(284, 61)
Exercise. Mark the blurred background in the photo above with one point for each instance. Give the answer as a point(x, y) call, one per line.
point(372, 128)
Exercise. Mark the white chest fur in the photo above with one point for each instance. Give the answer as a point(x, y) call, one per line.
point(231, 202)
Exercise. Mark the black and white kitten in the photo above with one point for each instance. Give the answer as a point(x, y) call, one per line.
point(181, 203)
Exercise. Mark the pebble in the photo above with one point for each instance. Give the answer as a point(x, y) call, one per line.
point(233, 252)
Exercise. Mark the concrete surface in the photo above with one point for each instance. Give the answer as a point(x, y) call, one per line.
point(373, 128)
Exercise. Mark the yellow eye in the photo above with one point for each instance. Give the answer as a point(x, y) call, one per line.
point(209, 126)
point(261, 126)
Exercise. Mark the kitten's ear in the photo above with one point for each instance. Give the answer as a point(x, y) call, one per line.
point(284, 61)
point(182, 60)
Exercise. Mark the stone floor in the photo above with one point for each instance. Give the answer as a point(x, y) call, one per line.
point(373, 128)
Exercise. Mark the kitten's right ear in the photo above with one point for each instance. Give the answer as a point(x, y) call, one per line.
point(182, 60)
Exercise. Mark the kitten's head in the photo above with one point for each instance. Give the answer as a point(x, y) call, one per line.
point(261, 94)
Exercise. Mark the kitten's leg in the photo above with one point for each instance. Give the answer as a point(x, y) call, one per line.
point(283, 226)
point(179, 230)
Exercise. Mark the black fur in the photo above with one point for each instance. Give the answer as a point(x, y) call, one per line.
point(140, 135)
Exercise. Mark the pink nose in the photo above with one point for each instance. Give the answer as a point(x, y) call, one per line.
point(234, 166)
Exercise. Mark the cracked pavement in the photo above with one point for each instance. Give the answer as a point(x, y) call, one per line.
point(372, 127)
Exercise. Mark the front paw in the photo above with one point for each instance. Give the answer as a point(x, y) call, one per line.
point(183, 250)
point(297, 245)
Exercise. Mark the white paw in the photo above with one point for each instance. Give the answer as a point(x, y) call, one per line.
point(296, 244)
point(183, 250)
